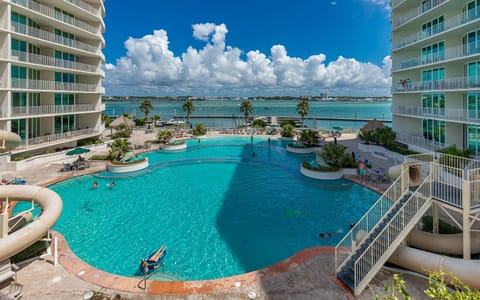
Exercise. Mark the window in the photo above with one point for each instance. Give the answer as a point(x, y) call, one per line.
point(433, 79)
point(433, 104)
point(433, 27)
point(434, 130)
point(433, 53)
point(472, 10)
point(18, 45)
point(472, 72)
point(473, 138)
point(64, 123)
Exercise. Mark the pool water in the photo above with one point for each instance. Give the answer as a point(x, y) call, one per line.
point(220, 210)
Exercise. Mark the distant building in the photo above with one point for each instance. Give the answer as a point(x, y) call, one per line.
point(436, 73)
point(50, 64)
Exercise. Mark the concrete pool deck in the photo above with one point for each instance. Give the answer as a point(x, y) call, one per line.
point(306, 275)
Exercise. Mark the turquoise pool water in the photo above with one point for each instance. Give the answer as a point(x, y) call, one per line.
point(220, 210)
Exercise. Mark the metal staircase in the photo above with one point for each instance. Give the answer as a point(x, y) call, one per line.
point(380, 231)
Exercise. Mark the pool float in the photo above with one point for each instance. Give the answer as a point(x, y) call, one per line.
point(154, 260)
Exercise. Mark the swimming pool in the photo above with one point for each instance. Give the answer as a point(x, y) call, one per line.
point(220, 210)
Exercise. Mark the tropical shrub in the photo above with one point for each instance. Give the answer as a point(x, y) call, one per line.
point(320, 168)
point(287, 130)
point(452, 150)
point(440, 286)
point(309, 137)
point(199, 129)
point(122, 132)
point(443, 227)
point(336, 155)
point(259, 123)
point(118, 149)
point(164, 136)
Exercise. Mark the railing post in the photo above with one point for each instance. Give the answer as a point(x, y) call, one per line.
point(466, 218)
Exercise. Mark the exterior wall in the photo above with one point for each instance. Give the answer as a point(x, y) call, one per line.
point(430, 38)
point(60, 50)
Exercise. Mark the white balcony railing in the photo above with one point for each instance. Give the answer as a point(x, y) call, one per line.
point(51, 109)
point(449, 54)
point(460, 83)
point(45, 85)
point(417, 11)
point(447, 114)
point(49, 12)
point(419, 141)
point(50, 37)
point(448, 24)
point(84, 6)
point(52, 61)
point(53, 138)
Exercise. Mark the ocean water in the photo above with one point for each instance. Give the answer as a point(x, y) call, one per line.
point(169, 109)
point(220, 210)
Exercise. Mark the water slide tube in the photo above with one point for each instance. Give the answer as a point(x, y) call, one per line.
point(21, 239)
point(424, 262)
point(9, 141)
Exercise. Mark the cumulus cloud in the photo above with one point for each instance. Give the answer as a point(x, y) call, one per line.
point(382, 3)
point(151, 68)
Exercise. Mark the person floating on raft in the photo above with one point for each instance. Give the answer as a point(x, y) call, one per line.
point(153, 261)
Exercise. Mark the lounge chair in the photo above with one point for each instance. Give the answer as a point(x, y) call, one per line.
point(7, 270)
point(67, 167)
point(15, 291)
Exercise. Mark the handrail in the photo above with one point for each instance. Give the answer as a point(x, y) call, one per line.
point(370, 218)
point(391, 231)
point(416, 12)
point(49, 12)
point(52, 61)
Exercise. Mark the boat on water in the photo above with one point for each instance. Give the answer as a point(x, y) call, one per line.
point(153, 261)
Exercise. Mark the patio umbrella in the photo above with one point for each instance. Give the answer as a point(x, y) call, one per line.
point(77, 151)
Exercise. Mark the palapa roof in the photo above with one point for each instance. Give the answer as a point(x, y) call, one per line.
point(372, 125)
point(122, 120)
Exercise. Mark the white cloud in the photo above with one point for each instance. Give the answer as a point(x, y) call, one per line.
point(217, 69)
point(382, 3)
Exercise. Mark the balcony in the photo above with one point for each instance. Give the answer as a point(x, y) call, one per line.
point(416, 12)
point(447, 114)
point(49, 12)
point(84, 6)
point(448, 24)
point(53, 62)
point(44, 85)
point(396, 3)
point(57, 138)
point(52, 109)
point(50, 37)
point(419, 141)
point(451, 53)
point(451, 84)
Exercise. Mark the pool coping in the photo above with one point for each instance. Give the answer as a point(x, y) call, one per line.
point(80, 269)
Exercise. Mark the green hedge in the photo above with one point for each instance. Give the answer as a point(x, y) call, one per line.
point(443, 227)
point(319, 168)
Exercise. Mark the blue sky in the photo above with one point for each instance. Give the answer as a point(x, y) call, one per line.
point(248, 47)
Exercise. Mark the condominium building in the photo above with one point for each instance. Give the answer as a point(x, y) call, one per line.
point(50, 70)
point(436, 73)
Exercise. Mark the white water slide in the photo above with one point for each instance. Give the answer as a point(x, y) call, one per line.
point(21, 239)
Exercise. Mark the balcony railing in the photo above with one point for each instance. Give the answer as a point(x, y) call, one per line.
point(45, 85)
point(85, 6)
point(53, 138)
point(395, 3)
point(447, 114)
point(461, 83)
point(49, 12)
point(448, 24)
point(449, 54)
point(419, 10)
point(419, 141)
point(52, 61)
point(50, 37)
point(51, 109)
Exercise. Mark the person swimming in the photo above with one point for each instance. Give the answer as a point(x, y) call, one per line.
point(95, 184)
point(330, 234)
point(112, 185)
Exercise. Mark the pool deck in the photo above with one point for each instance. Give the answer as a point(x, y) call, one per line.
point(306, 275)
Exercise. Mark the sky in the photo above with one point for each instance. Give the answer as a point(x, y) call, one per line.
point(247, 48)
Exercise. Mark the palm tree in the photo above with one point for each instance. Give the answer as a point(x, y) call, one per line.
point(246, 108)
point(164, 136)
point(118, 148)
point(145, 107)
point(302, 109)
point(188, 107)
point(106, 120)
point(156, 118)
point(288, 130)
point(199, 129)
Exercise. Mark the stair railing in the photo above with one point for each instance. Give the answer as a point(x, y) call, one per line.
point(348, 244)
point(390, 237)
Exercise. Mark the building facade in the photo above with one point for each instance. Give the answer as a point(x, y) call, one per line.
point(436, 73)
point(50, 70)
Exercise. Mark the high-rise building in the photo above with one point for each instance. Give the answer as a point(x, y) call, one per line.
point(50, 70)
point(436, 73)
